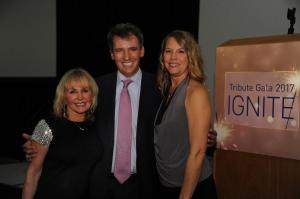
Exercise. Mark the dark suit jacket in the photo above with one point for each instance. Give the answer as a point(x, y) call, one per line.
point(104, 124)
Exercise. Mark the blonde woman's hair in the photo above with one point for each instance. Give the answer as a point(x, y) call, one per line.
point(195, 61)
point(77, 74)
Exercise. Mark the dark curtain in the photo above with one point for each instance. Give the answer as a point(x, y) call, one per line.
point(83, 25)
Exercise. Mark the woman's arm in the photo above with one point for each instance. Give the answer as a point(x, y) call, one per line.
point(197, 105)
point(34, 171)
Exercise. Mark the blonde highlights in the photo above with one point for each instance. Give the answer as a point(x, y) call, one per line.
point(77, 74)
point(195, 61)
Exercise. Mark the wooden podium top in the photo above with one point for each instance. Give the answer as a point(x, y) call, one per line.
point(262, 40)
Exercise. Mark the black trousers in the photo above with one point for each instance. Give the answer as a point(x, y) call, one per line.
point(204, 190)
point(110, 188)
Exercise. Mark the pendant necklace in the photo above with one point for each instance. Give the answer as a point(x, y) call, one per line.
point(79, 127)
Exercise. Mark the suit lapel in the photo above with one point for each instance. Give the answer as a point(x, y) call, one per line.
point(144, 105)
point(140, 113)
point(106, 115)
point(110, 108)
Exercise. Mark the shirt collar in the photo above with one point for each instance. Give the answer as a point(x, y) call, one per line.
point(136, 78)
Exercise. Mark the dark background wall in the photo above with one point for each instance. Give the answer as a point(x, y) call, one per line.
point(81, 42)
point(83, 25)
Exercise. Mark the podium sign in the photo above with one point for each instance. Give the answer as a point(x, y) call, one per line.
point(257, 93)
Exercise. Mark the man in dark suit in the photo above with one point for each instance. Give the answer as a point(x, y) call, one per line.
point(126, 48)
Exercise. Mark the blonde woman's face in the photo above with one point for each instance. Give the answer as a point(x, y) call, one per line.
point(78, 96)
point(175, 59)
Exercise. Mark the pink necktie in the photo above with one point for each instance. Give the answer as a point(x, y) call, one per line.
point(122, 168)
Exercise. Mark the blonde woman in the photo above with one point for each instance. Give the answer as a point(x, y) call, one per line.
point(65, 148)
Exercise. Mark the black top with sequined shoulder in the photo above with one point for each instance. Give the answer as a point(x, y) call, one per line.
point(73, 151)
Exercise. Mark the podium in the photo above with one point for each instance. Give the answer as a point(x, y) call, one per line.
point(257, 97)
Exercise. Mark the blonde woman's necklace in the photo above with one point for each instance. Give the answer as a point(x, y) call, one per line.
point(79, 127)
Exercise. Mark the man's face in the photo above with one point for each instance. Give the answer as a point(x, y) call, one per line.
point(127, 53)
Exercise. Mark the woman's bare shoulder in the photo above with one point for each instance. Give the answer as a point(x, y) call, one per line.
point(196, 89)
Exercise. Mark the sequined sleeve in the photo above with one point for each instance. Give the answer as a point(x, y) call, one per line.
point(42, 133)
